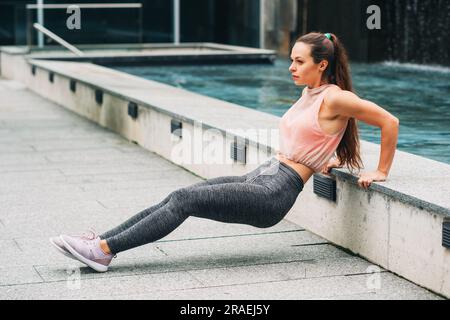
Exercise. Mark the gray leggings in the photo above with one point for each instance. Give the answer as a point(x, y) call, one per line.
point(260, 198)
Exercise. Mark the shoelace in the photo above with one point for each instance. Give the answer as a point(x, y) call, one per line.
point(90, 234)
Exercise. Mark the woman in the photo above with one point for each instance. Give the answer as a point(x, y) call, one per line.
point(322, 122)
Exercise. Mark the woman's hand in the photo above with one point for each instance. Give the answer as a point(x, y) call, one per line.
point(332, 163)
point(365, 178)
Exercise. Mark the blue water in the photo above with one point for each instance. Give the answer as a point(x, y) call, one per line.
point(418, 95)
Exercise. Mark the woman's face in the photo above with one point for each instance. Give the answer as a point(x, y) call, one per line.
point(303, 69)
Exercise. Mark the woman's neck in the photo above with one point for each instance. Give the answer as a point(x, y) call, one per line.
point(318, 85)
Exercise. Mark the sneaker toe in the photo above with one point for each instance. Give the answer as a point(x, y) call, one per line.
point(57, 241)
point(58, 244)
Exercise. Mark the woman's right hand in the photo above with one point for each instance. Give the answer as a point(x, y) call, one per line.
point(333, 163)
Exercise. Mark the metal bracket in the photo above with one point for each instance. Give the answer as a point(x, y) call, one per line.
point(446, 234)
point(238, 152)
point(99, 96)
point(176, 127)
point(324, 187)
point(73, 85)
point(133, 110)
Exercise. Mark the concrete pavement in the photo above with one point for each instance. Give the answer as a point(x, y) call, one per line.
point(61, 173)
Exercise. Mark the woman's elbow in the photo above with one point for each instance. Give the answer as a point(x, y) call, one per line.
point(390, 122)
point(396, 121)
point(393, 121)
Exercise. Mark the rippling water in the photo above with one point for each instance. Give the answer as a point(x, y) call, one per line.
point(418, 95)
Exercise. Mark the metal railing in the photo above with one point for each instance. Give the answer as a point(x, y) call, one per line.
point(40, 8)
point(58, 39)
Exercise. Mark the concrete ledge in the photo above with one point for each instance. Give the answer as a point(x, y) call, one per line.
point(158, 53)
point(396, 224)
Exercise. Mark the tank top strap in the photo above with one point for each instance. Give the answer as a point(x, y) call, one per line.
point(319, 100)
point(316, 109)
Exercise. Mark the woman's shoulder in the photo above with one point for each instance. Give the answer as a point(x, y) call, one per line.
point(332, 93)
point(335, 92)
point(333, 88)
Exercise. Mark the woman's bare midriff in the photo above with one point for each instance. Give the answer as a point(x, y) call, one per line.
point(304, 171)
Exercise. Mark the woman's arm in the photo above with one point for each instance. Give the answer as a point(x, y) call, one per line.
point(348, 104)
point(389, 137)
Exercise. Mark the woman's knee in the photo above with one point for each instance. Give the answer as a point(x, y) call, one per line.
point(179, 195)
point(179, 200)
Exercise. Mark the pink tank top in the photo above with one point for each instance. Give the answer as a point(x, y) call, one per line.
point(301, 138)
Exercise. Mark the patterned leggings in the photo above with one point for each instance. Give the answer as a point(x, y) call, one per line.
point(260, 198)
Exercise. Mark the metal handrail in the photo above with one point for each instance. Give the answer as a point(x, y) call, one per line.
point(58, 39)
point(41, 6)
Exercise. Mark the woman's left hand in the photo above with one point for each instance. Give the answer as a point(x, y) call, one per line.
point(366, 178)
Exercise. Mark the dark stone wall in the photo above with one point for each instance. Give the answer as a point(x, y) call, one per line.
point(280, 22)
point(345, 18)
point(235, 22)
point(416, 31)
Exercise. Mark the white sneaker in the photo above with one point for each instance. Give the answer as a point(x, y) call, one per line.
point(88, 251)
point(57, 243)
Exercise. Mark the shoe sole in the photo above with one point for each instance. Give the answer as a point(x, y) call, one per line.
point(94, 265)
point(64, 252)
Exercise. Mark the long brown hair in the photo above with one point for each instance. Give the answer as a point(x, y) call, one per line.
point(337, 72)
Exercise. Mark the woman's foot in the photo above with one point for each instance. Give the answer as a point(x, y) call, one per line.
point(57, 243)
point(88, 251)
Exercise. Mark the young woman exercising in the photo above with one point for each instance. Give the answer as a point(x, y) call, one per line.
point(320, 125)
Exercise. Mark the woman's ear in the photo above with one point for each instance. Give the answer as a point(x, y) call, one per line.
point(323, 65)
